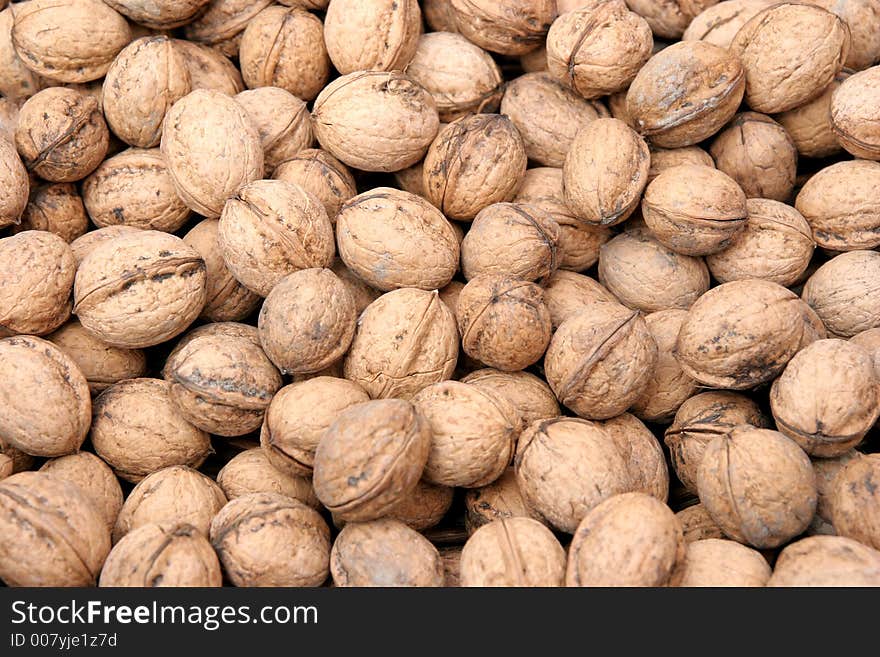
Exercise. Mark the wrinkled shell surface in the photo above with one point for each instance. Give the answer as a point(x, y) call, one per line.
point(56, 208)
point(511, 28)
point(713, 562)
point(827, 561)
point(567, 293)
point(870, 340)
point(697, 524)
point(94, 478)
point(320, 174)
point(14, 179)
point(854, 114)
point(826, 470)
point(251, 472)
point(669, 20)
point(282, 121)
point(159, 14)
point(209, 69)
point(222, 22)
point(500, 499)
point(718, 23)
point(862, 17)
point(424, 507)
point(17, 81)
point(855, 503)
point(530, 395)
point(844, 294)
point(809, 125)
point(85, 244)
point(643, 454)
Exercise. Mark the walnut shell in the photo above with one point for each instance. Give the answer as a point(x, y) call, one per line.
point(706, 84)
point(809, 125)
point(8, 118)
point(95, 479)
point(844, 294)
point(37, 270)
point(439, 16)
point(600, 361)
point(473, 433)
point(393, 239)
point(714, 562)
point(770, 46)
point(513, 552)
point(14, 179)
point(534, 61)
point(375, 121)
point(758, 154)
point(282, 121)
point(85, 244)
point(155, 556)
point(405, 340)
point(855, 500)
point(827, 561)
point(567, 293)
point(320, 174)
point(7, 466)
point(222, 23)
point(214, 329)
point(362, 293)
point(50, 533)
point(462, 78)
point(208, 68)
point(247, 535)
point(251, 472)
point(718, 23)
point(862, 17)
point(69, 40)
point(61, 134)
point(740, 334)
point(159, 14)
point(386, 33)
point(503, 322)
point(566, 466)
point(16, 79)
point(499, 499)
point(826, 470)
point(384, 553)
point(530, 396)
point(758, 485)
point(870, 340)
point(643, 454)
point(697, 524)
point(669, 20)
point(666, 158)
point(598, 48)
point(137, 430)
point(513, 27)
point(56, 208)
point(424, 507)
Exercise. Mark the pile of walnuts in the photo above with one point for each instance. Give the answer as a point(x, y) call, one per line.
point(450, 292)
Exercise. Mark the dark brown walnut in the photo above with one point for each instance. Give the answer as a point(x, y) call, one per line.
point(17, 80)
point(44, 396)
point(645, 275)
point(37, 271)
point(405, 340)
point(600, 361)
point(209, 69)
point(386, 33)
point(598, 48)
point(809, 125)
point(248, 531)
point(567, 293)
point(666, 158)
point(826, 470)
point(631, 539)
point(827, 561)
point(566, 466)
point(384, 553)
point(513, 27)
point(718, 23)
point(139, 290)
point(776, 245)
point(513, 551)
point(700, 420)
point(695, 210)
point(94, 478)
point(668, 20)
point(69, 40)
point(579, 242)
point(862, 17)
point(685, 93)
point(371, 458)
point(697, 524)
point(393, 239)
point(85, 244)
point(424, 507)
point(547, 115)
point(50, 533)
point(462, 78)
point(251, 472)
point(512, 239)
point(855, 500)
point(376, 121)
point(320, 174)
point(500, 499)
point(222, 23)
point(770, 45)
point(474, 162)
point(503, 322)
point(605, 172)
point(168, 498)
point(530, 395)
point(643, 454)
point(844, 294)
point(14, 180)
point(669, 386)
point(159, 14)
point(473, 433)
point(154, 556)
point(758, 486)
point(714, 562)
point(740, 334)
point(870, 340)
point(758, 154)
point(134, 188)
point(61, 134)
point(137, 430)
point(827, 398)
point(56, 208)
point(282, 121)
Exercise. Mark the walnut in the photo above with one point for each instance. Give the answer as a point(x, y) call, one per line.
point(14, 179)
point(844, 295)
point(697, 524)
point(424, 507)
point(530, 396)
point(870, 340)
point(94, 478)
point(827, 561)
point(669, 20)
point(566, 294)
point(826, 470)
point(8, 116)
point(718, 23)
point(499, 499)
point(209, 69)
point(159, 14)
point(85, 244)
point(439, 16)
point(56, 208)
point(222, 23)
point(714, 562)
point(17, 80)
point(513, 27)
point(534, 61)
point(854, 115)
point(251, 472)
point(643, 454)
point(282, 121)
point(666, 158)
point(855, 511)
point(861, 17)
point(320, 174)
point(809, 125)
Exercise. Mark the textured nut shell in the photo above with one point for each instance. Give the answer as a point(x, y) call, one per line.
point(14, 180)
point(669, 19)
point(566, 466)
point(94, 478)
point(503, 322)
point(384, 553)
point(299, 415)
point(427, 351)
point(159, 14)
point(308, 321)
point(370, 458)
point(137, 430)
point(282, 121)
point(600, 361)
point(439, 16)
point(56, 208)
point(826, 470)
point(862, 17)
point(251, 472)
point(85, 244)
point(666, 158)
point(7, 466)
point(854, 115)
point(61, 134)
point(714, 562)
point(530, 396)
point(605, 171)
point(809, 125)
point(207, 170)
point(17, 80)
point(758, 486)
point(44, 396)
point(37, 270)
point(567, 293)
point(375, 121)
point(513, 552)
point(844, 294)
point(209, 69)
point(267, 539)
point(870, 340)
point(740, 334)
point(474, 161)
point(643, 454)
point(424, 507)
point(69, 40)
point(320, 174)
point(776, 245)
point(827, 561)
point(8, 118)
point(718, 23)
point(697, 524)
point(393, 239)
point(473, 433)
point(50, 533)
point(511, 28)
point(855, 503)
point(386, 33)
point(770, 46)
point(223, 21)
point(500, 499)
point(534, 61)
